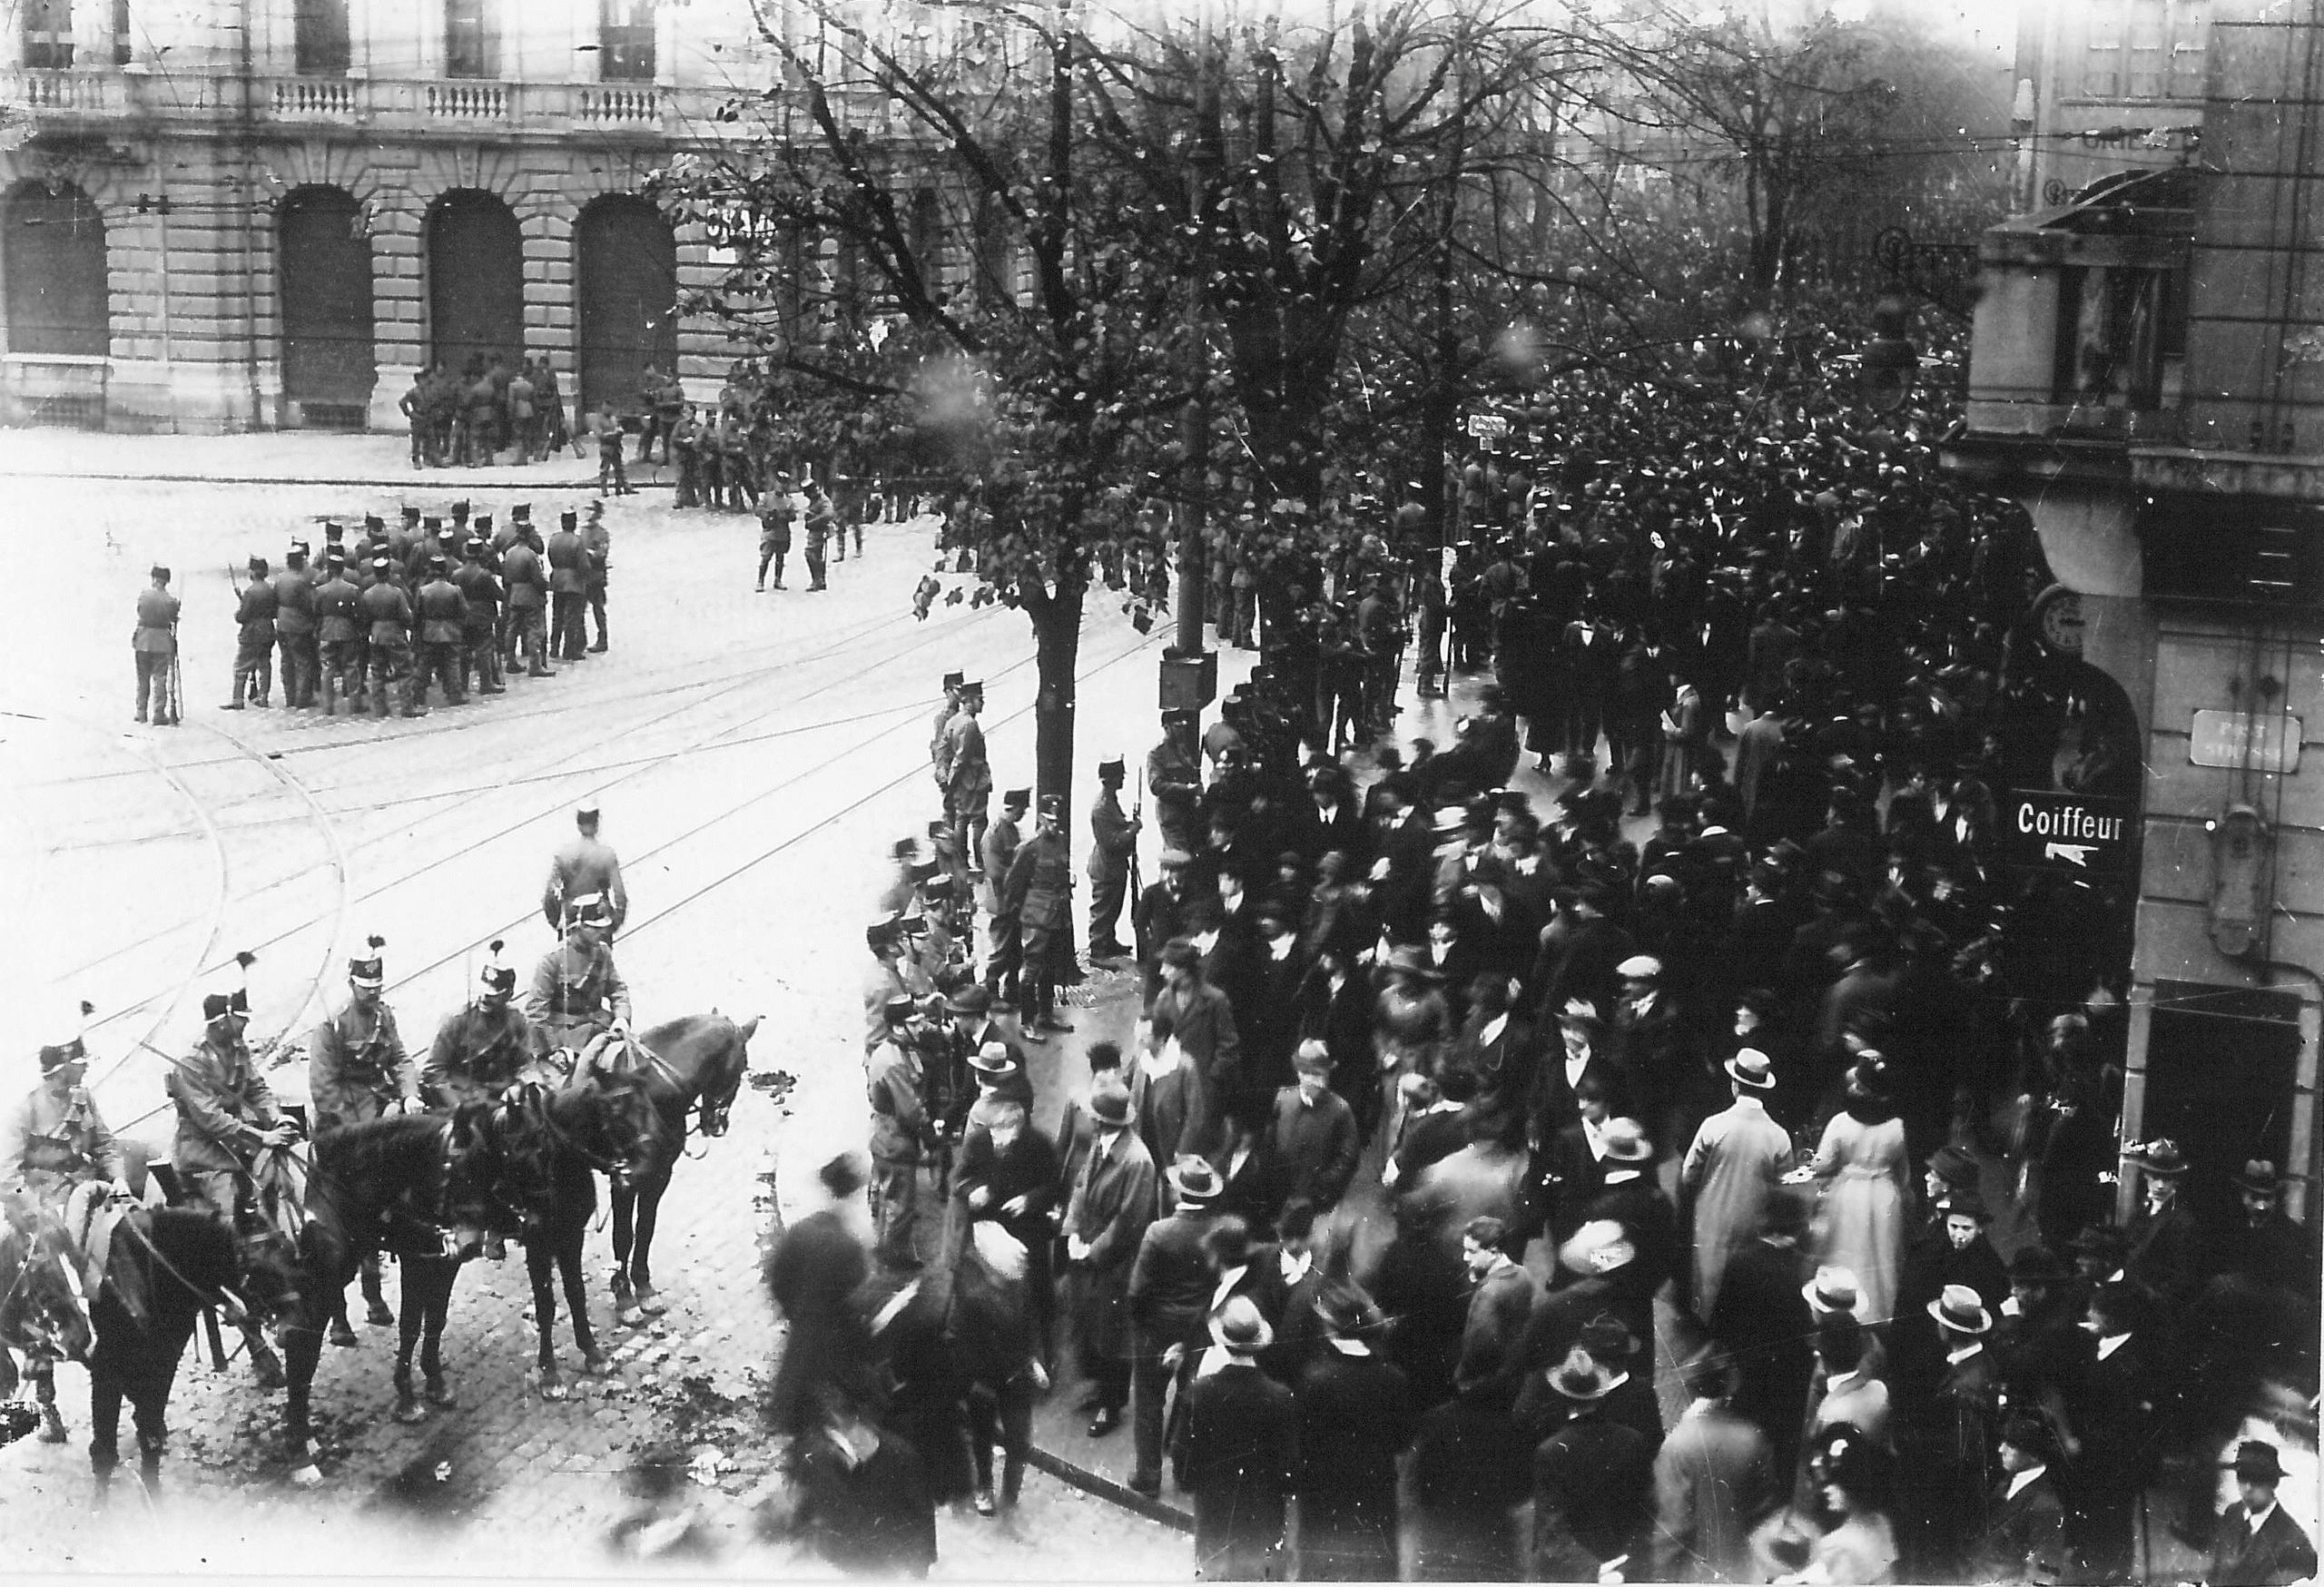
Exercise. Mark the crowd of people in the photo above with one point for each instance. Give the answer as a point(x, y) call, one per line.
point(1451, 1123)
point(447, 601)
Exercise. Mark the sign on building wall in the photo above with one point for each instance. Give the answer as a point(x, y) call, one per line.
point(2240, 738)
point(2076, 834)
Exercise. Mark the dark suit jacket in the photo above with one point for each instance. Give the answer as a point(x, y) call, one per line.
point(1585, 969)
point(2280, 1552)
point(2025, 1537)
point(1499, 1308)
point(1591, 1483)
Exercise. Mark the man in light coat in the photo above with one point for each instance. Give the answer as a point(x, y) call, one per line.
point(1108, 1203)
point(1731, 1171)
point(1710, 1478)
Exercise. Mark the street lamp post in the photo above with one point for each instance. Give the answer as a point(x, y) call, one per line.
point(1189, 678)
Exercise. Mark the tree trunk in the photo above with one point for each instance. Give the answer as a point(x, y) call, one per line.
point(1057, 633)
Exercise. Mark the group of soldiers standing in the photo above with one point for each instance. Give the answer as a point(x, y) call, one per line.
point(448, 600)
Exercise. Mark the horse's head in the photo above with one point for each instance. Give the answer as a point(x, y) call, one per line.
point(629, 1128)
point(501, 1173)
point(43, 1307)
point(269, 1273)
point(722, 1080)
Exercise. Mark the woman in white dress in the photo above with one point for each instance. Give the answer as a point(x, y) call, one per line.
point(1865, 1172)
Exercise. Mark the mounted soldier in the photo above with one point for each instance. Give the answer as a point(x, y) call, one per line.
point(357, 1070)
point(482, 1050)
point(578, 1002)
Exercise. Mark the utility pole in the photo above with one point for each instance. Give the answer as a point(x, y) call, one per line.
point(1189, 671)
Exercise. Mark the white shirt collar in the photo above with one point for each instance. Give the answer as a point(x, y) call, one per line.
point(1840, 1381)
point(2023, 1479)
point(1749, 1103)
point(1492, 1027)
point(2108, 1347)
point(1205, 942)
point(2254, 1521)
point(1279, 948)
point(1295, 1268)
point(1594, 1135)
point(1226, 1283)
point(1574, 1067)
point(1349, 1347)
point(1955, 1357)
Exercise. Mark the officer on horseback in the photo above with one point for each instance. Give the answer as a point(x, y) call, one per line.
point(578, 1002)
point(226, 1110)
point(56, 1140)
point(483, 1049)
point(358, 1070)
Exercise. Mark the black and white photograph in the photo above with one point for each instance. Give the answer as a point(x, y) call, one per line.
point(1545, 823)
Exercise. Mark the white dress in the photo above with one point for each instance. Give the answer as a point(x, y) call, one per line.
point(1863, 1216)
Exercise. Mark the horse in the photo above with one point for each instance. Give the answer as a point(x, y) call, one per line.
point(401, 1183)
point(43, 1311)
point(166, 1267)
point(697, 1065)
point(540, 1157)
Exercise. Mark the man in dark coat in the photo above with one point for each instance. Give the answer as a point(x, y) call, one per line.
point(813, 1274)
point(1170, 1285)
point(1007, 1172)
point(1591, 1483)
point(2109, 1408)
point(1355, 1417)
point(1764, 1320)
point(2257, 1544)
point(1469, 1472)
point(1501, 1303)
point(1242, 1445)
point(1312, 1133)
point(2165, 1244)
point(2025, 1537)
point(1107, 1207)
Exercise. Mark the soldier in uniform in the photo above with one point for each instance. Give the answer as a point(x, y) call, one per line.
point(819, 533)
point(567, 638)
point(578, 1002)
point(1113, 844)
point(387, 614)
point(584, 867)
point(480, 594)
point(963, 768)
point(952, 682)
point(1039, 891)
point(294, 626)
point(527, 582)
point(337, 634)
point(254, 642)
point(55, 1141)
point(895, 1081)
point(685, 448)
point(597, 566)
point(1001, 840)
point(1174, 776)
point(482, 1050)
point(357, 1069)
point(155, 645)
point(443, 618)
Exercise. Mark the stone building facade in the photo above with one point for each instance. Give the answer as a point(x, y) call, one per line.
point(258, 213)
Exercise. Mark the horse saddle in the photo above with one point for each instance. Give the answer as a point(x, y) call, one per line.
point(90, 1214)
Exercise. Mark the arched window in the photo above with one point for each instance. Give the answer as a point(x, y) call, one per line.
point(627, 268)
point(55, 260)
point(325, 285)
point(476, 279)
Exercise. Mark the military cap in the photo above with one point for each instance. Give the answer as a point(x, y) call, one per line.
point(438, 562)
point(460, 508)
point(372, 521)
point(953, 680)
point(477, 546)
point(897, 1009)
point(496, 980)
point(380, 564)
point(409, 513)
point(521, 513)
point(364, 969)
point(1016, 798)
point(1114, 764)
point(258, 564)
point(482, 520)
point(157, 571)
point(569, 517)
point(298, 548)
point(332, 531)
point(1053, 806)
point(431, 522)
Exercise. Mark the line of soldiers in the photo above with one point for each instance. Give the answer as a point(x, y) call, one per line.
point(444, 600)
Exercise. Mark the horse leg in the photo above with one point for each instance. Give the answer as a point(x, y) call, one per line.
point(104, 1426)
point(410, 1321)
point(151, 1401)
point(303, 1349)
point(625, 1198)
point(42, 1366)
point(9, 1381)
point(439, 1298)
point(576, 1295)
point(539, 1257)
point(649, 1209)
point(375, 1304)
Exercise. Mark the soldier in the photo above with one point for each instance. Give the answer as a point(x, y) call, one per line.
point(254, 642)
point(480, 1051)
point(294, 626)
point(480, 591)
point(965, 775)
point(527, 584)
point(57, 1141)
point(1113, 847)
point(584, 867)
point(443, 618)
point(387, 614)
point(357, 1069)
point(226, 1110)
point(894, 1079)
point(578, 1002)
point(337, 634)
point(774, 528)
point(819, 533)
point(567, 638)
point(413, 406)
point(155, 645)
point(1001, 840)
point(952, 682)
point(1039, 891)
point(1174, 776)
point(596, 567)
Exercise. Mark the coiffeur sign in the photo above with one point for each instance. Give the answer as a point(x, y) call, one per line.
point(2076, 834)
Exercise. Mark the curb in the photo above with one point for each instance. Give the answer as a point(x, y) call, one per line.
point(400, 481)
point(1106, 1488)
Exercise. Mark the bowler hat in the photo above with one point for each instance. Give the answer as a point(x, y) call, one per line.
point(2037, 1264)
point(1346, 1309)
point(1966, 1202)
point(1625, 1142)
point(1608, 1339)
point(2260, 1178)
point(2161, 1158)
point(1580, 1379)
point(2257, 1462)
point(2031, 1432)
point(974, 998)
point(1193, 1179)
point(1239, 1328)
point(1111, 1104)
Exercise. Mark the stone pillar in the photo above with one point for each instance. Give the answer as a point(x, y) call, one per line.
point(400, 294)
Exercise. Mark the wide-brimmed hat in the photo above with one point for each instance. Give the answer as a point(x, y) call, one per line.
point(2161, 1158)
point(2258, 1461)
point(2260, 1178)
point(1966, 1202)
point(975, 997)
point(1239, 1329)
point(1580, 1379)
point(1346, 1309)
point(1640, 967)
point(1752, 1068)
point(1961, 1310)
point(1953, 1165)
point(1625, 1142)
point(1608, 1339)
point(992, 1058)
point(1599, 1246)
point(1835, 1290)
point(2038, 1265)
point(1193, 1179)
point(2031, 1432)
point(1112, 1105)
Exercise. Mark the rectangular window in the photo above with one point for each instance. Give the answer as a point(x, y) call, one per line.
point(2147, 50)
point(471, 38)
point(322, 37)
point(120, 42)
point(2101, 55)
point(2191, 23)
point(48, 34)
point(626, 41)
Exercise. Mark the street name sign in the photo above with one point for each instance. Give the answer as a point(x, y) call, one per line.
point(2076, 834)
point(2240, 738)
